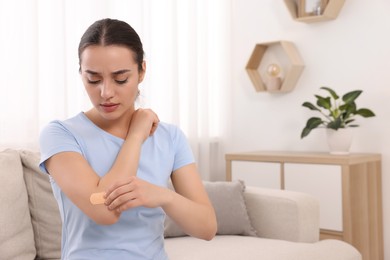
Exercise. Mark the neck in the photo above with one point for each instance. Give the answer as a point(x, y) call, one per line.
point(117, 127)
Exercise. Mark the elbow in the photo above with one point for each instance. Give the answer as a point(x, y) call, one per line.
point(207, 231)
point(210, 232)
point(210, 236)
point(211, 228)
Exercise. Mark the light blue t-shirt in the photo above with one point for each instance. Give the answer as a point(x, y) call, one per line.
point(139, 232)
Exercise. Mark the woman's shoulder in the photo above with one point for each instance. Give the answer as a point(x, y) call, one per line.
point(76, 119)
point(171, 131)
point(169, 128)
point(58, 125)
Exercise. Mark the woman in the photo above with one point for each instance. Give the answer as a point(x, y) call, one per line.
point(122, 156)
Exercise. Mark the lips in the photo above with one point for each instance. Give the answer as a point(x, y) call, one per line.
point(109, 107)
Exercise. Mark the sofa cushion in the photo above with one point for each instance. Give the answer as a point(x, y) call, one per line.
point(45, 215)
point(255, 248)
point(16, 235)
point(229, 205)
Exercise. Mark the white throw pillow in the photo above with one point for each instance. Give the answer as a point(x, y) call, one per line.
point(16, 232)
point(45, 215)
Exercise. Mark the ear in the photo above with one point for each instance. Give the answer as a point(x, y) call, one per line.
point(142, 73)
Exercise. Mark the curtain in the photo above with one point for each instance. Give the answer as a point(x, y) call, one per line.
point(187, 80)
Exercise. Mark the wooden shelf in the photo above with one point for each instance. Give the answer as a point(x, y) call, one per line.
point(331, 11)
point(283, 52)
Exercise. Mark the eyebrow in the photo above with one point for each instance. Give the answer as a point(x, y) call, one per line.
point(114, 73)
point(121, 71)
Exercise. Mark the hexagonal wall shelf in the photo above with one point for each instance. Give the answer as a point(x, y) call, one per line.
point(280, 53)
point(331, 11)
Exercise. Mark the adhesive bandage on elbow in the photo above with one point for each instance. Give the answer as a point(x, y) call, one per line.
point(97, 198)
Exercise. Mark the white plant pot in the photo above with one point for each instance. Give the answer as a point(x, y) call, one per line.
point(339, 141)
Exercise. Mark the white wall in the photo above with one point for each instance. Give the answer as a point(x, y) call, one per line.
point(351, 52)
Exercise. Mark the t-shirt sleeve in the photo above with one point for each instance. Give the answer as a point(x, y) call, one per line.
point(182, 149)
point(53, 139)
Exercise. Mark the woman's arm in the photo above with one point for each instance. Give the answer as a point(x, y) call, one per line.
point(78, 180)
point(189, 206)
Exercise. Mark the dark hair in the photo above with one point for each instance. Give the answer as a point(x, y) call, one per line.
point(112, 32)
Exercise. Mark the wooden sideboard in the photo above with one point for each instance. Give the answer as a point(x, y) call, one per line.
point(359, 189)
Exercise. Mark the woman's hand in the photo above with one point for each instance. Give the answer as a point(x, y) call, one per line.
point(144, 123)
point(135, 192)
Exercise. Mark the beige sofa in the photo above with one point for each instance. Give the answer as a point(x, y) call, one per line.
point(285, 223)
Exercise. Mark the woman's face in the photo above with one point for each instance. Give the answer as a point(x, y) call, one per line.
point(110, 75)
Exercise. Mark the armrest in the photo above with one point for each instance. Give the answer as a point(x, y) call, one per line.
point(282, 214)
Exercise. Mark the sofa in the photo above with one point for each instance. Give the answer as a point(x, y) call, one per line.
point(253, 223)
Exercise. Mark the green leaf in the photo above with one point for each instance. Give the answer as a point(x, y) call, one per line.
point(323, 102)
point(311, 124)
point(348, 107)
point(336, 114)
point(364, 112)
point(351, 96)
point(310, 106)
point(349, 121)
point(332, 92)
point(336, 124)
point(349, 110)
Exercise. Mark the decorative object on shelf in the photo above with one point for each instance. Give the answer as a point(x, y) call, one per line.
point(270, 60)
point(274, 81)
point(336, 115)
point(311, 11)
point(311, 7)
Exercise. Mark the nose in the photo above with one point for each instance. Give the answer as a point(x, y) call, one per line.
point(107, 90)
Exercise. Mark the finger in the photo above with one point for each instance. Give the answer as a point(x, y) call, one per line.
point(118, 192)
point(154, 128)
point(121, 201)
point(118, 184)
point(155, 123)
point(128, 205)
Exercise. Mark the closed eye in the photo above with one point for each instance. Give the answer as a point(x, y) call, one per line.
point(93, 81)
point(121, 81)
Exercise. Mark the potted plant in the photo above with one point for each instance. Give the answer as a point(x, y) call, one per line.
point(336, 114)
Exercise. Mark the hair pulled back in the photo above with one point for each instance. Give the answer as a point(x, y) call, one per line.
point(112, 32)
